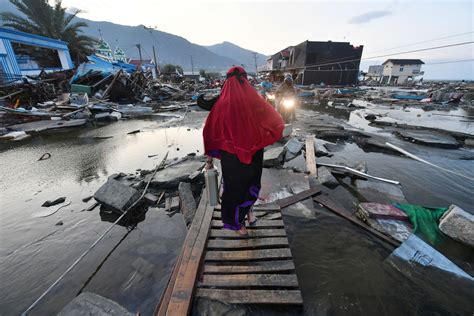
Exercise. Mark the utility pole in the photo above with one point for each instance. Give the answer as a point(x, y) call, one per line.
point(156, 63)
point(140, 53)
point(255, 58)
point(192, 65)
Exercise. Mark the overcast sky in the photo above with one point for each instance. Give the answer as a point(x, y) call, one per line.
point(268, 26)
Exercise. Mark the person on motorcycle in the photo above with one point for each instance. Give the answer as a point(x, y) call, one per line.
point(286, 90)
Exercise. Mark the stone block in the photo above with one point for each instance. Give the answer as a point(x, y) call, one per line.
point(458, 224)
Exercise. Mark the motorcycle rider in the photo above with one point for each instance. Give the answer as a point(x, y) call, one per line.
point(286, 90)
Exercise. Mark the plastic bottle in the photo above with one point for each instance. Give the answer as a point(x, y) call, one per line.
point(212, 186)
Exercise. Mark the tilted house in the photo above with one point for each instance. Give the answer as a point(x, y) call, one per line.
point(401, 71)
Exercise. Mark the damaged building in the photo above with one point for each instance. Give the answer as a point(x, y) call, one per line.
point(330, 63)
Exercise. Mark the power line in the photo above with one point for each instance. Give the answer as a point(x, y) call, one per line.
point(427, 41)
point(386, 55)
point(450, 62)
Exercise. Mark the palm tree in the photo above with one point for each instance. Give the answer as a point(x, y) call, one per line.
point(51, 21)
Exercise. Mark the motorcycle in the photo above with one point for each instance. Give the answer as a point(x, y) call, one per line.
point(287, 108)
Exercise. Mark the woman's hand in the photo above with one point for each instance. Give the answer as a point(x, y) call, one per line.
point(209, 163)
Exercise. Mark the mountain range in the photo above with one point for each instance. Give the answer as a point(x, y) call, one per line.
point(169, 48)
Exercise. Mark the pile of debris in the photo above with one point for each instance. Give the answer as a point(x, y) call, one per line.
point(99, 91)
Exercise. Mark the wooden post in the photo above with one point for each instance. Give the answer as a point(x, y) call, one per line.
point(311, 157)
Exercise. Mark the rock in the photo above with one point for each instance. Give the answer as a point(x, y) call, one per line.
point(380, 192)
point(151, 198)
point(116, 195)
point(172, 203)
point(60, 223)
point(273, 157)
point(326, 178)
point(186, 201)
point(320, 148)
point(429, 138)
point(93, 304)
point(370, 117)
point(55, 202)
point(293, 149)
point(469, 142)
point(458, 224)
point(170, 177)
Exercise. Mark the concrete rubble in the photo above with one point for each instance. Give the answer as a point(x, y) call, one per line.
point(93, 304)
point(273, 157)
point(458, 224)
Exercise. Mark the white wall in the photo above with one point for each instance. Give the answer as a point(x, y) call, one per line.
point(401, 71)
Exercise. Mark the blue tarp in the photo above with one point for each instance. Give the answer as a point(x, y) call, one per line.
point(409, 97)
point(106, 68)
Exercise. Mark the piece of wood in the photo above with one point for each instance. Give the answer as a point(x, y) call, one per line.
point(295, 198)
point(253, 267)
point(339, 210)
point(311, 157)
point(218, 215)
point(259, 224)
point(254, 233)
point(269, 207)
point(283, 297)
point(247, 243)
point(249, 280)
point(183, 289)
point(245, 255)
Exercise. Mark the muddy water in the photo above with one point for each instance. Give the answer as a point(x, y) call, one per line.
point(341, 269)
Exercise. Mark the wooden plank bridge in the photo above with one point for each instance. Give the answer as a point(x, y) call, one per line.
point(221, 265)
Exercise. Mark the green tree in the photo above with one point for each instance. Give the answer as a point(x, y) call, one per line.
point(51, 21)
point(202, 73)
point(169, 68)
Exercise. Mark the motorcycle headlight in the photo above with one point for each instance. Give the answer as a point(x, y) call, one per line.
point(288, 103)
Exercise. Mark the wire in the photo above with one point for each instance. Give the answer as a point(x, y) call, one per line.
point(386, 55)
point(427, 41)
point(450, 62)
point(96, 242)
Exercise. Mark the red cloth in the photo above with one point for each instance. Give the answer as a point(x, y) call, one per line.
point(241, 122)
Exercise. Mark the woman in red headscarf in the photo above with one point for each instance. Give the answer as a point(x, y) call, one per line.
point(241, 123)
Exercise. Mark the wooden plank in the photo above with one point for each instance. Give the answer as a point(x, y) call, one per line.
point(297, 197)
point(183, 289)
point(246, 243)
point(311, 157)
point(279, 297)
point(269, 207)
point(217, 214)
point(259, 224)
point(249, 280)
point(253, 233)
point(254, 267)
point(245, 255)
point(339, 210)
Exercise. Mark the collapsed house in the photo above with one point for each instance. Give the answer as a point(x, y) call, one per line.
point(19, 49)
point(331, 63)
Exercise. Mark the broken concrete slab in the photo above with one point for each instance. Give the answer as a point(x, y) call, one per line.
point(116, 195)
point(93, 304)
point(151, 198)
point(326, 178)
point(170, 177)
point(187, 202)
point(429, 138)
point(381, 211)
point(458, 224)
point(380, 192)
point(273, 157)
point(320, 148)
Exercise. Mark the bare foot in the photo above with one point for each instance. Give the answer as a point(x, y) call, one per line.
point(243, 231)
point(250, 217)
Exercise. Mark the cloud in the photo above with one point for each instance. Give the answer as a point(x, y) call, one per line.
point(369, 16)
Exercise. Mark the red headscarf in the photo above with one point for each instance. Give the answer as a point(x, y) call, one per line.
point(241, 122)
